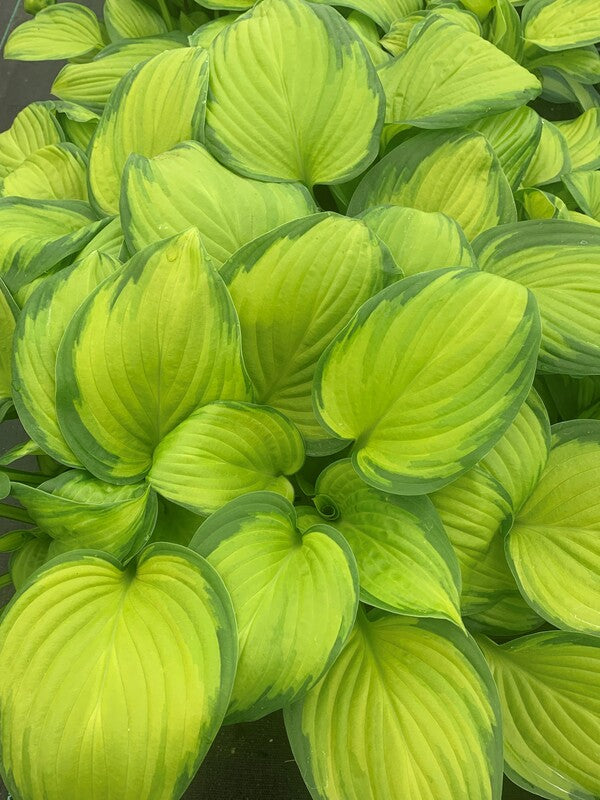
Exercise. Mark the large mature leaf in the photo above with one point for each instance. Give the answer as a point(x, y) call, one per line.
point(294, 290)
point(40, 328)
point(8, 312)
point(582, 136)
point(561, 24)
point(407, 712)
point(369, 34)
point(32, 128)
point(456, 173)
point(477, 513)
point(294, 595)
point(559, 262)
point(130, 19)
point(144, 350)
point(91, 82)
point(554, 546)
point(420, 241)
point(581, 63)
point(521, 454)
point(551, 158)
point(113, 684)
point(514, 136)
point(157, 104)
point(449, 76)
point(405, 560)
point(584, 186)
point(55, 172)
point(549, 686)
point(66, 30)
point(81, 512)
point(187, 187)
point(37, 235)
point(421, 416)
point(224, 450)
point(264, 117)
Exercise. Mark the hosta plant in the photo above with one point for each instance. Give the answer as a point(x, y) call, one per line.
point(299, 313)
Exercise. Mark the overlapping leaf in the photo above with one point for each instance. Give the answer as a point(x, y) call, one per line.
point(66, 30)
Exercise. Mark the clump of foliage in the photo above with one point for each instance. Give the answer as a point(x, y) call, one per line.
point(277, 284)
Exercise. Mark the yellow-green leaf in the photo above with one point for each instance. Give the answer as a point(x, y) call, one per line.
point(561, 24)
point(266, 126)
point(294, 290)
point(186, 187)
point(584, 186)
point(294, 595)
point(582, 136)
point(421, 416)
point(33, 128)
point(551, 158)
point(405, 561)
point(132, 19)
point(8, 312)
point(554, 546)
point(54, 172)
point(65, 30)
point(449, 76)
point(114, 683)
point(139, 357)
point(420, 241)
point(549, 686)
point(456, 173)
point(559, 262)
point(408, 711)
point(224, 450)
point(40, 328)
point(157, 104)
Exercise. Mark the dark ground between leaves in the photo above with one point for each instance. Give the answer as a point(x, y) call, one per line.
point(249, 761)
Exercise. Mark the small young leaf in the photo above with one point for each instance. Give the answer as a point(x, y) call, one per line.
point(66, 30)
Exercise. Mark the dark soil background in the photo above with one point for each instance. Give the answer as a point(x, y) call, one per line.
point(250, 761)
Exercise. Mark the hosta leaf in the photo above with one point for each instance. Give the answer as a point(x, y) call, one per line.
point(368, 32)
point(476, 512)
point(521, 454)
point(396, 39)
point(91, 82)
point(294, 290)
point(81, 512)
point(538, 204)
point(187, 187)
point(456, 173)
point(66, 30)
point(561, 24)
point(263, 117)
point(80, 131)
point(509, 616)
point(582, 63)
point(29, 558)
point(384, 12)
point(33, 128)
point(8, 313)
point(583, 139)
point(224, 450)
point(551, 158)
point(584, 186)
point(132, 19)
point(139, 357)
point(421, 416)
point(40, 328)
point(449, 76)
point(175, 523)
point(420, 241)
point(429, 731)
point(559, 262)
point(158, 103)
point(549, 686)
point(570, 397)
point(210, 30)
point(504, 29)
point(294, 595)
point(37, 235)
point(405, 560)
point(137, 668)
point(108, 241)
point(515, 137)
point(554, 544)
point(55, 172)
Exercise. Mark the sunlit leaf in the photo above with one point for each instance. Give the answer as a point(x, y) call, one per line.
point(33, 128)
point(66, 30)
point(582, 136)
point(137, 668)
point(224, 450)
point(131, 19)
point(412, 701)
point(294, 595)
point(551, 158)
point(421, 416)
point(561, 24)
point(139, 357)
point(54, 172)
